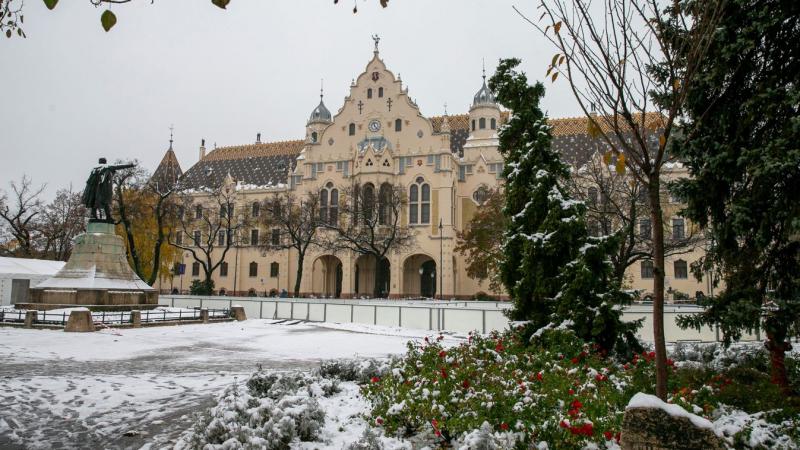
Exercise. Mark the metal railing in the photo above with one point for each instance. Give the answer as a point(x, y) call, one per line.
point(114, 317)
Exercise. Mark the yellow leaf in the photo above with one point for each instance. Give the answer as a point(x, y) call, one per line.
point(621, 163)
point(607, 157)
point(662, 141)
point(555, 58)
point(593, 129)
point(557, 26)
point(676, 84)
point(555, 75)
point(561, 60)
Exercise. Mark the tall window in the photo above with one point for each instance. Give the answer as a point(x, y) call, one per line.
point(329, 204)
point(195, 269)
point(369, 93)
point(494, 123)
point(198, 212)
point(196, 237)
point(256, 209)
point(275, 238)
point(314, 136)
point(352, 129)
point(645, 229)
point(380, 92)
point(223, 269)
point(384, 204)
point(647, 269)
point(221, 238)
point(482, 123)
point(681, 269)
point(419, 202)
point(368, 201)
point(678, 229)
point(179, 237)
point(473, 124)
point(253, 269)
point(398, 125)
point(273, 270)
point(592, 196)
point(254, 237)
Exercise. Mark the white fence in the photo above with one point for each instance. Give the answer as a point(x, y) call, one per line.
point(433, 315)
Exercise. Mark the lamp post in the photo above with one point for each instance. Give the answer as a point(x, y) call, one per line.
point(236, 262)
point(441, 259)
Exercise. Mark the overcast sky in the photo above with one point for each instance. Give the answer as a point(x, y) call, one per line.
point(72, 92)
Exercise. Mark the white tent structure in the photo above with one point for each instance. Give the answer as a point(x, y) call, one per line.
point(19, 274)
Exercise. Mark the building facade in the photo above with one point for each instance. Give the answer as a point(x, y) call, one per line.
point(378, 136)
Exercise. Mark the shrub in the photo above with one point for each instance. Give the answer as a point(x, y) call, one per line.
point(201, 287)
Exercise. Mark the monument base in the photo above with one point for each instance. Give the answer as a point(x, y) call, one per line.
point(97, 274)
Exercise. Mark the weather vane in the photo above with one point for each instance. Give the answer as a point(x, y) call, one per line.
point(377, 39)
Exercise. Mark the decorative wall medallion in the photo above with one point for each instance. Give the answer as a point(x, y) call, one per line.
point(419, 161)
point(419, 133)
point(330, 141)
point(375, 76)
point(374, 126)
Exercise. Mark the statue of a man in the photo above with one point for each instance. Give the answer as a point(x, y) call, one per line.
point(99, 193)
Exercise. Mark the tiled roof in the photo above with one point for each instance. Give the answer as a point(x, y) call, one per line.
point(265, 164)
point(167, 172)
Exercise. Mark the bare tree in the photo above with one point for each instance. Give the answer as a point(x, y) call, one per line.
point(295, 222)
point(60, 221)
point(145, 211)
point(367, 223)
point(617, 203)
point(206, 226)
point(20, 213)
point(619, 60)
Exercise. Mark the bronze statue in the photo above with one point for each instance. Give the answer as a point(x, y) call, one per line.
point(98, 193)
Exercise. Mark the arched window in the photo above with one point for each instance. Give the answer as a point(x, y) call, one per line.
point(253, 269)
point(369, 93)
point(256, 209)
point(681, 269)
point(482, 123)
point(592, 196)
point(368, 201)
point(494, 123)
point(198, 211)
point(473, 124)
point(329, 204)
point(419, 202)
point(385, 204)
point(274, 269)
point(314, 136)
point(223, 269)
point(647, 269)
point(380, 92)
point(398, 125)
point(352, 129)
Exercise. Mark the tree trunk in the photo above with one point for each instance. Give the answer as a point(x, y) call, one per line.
point(151, 280)
point(376, 289)
point(777, 356)
point(657, 220)
point(300, 258)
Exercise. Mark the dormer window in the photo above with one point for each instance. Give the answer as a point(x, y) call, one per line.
point(369, 93)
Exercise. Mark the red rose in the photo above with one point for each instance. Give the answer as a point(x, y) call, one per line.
point(608, 435)
point(574, 360)
point(571, 392)
point(563, 424)
point(444, 373)
point(465, 384)
point(504, 426)
point(374, 379)
point(379, 421)
point(442, 354)
point(576, 404)
point(539, 376)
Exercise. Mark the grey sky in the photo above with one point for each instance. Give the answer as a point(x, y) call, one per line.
point(72, 92)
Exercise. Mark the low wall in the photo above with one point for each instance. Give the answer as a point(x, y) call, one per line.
point(456, 316)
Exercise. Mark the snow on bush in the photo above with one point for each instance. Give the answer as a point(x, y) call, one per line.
point(358, 370)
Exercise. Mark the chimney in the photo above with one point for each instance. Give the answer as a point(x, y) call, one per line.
point(258, 138)
point(202, 149)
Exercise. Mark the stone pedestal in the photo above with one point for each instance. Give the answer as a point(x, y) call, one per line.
point(80, 322)
point(237, 312)
point(97, 273)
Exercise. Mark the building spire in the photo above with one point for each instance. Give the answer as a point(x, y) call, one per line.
point(377, 40)
point(171, 128)
point(321, 88)
point(483, 65)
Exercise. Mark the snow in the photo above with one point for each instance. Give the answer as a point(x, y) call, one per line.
point(23, 266)
point(642, 400)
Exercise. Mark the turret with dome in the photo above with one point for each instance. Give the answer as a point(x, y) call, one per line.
point(484, 114)
point(320, 118)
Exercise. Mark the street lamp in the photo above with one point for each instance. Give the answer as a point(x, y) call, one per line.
point(441, 259)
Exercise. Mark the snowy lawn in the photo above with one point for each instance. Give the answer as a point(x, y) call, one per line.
point(124, 388)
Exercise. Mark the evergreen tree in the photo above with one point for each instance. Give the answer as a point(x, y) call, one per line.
point(741, 146)
point(553, 271)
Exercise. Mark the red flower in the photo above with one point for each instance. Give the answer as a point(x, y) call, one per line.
point(440, 338)
point(435, 423)
point(576, 404)
point(539, 376)
point(465, 384)
point(617, 436)
point(379, 421)
point(374, 379)
point(600, 377)
point(608, 435)
point(504, 426)
point(563, 424)
point(626, 366)
point(444, 373)
point(437, 433)
point(499, 347)
point(442, 354)
point(574, 360)
point(670, 362)
point(571, 392)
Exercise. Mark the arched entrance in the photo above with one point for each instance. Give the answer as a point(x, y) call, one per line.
point(419, 276)
point(365, 277)
point(326, 276)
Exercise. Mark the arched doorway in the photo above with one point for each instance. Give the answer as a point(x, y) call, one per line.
point(368, 281)
point(326, 276)
point(419, 276)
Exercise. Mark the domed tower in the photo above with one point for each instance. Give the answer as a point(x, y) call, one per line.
point(320, 118)
point(484, 114)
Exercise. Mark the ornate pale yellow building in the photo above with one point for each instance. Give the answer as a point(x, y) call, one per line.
point(377, 136)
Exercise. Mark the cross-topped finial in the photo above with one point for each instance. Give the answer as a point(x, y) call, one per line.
point(483, 65)
point(321, 88)
point(445, 108)
point(377, 39)
point(171, 128)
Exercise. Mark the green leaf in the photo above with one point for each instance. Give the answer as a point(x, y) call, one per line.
point(50, 4)
point(221, 3)
point(108, 20)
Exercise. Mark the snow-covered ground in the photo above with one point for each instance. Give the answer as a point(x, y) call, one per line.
point(131, 387)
